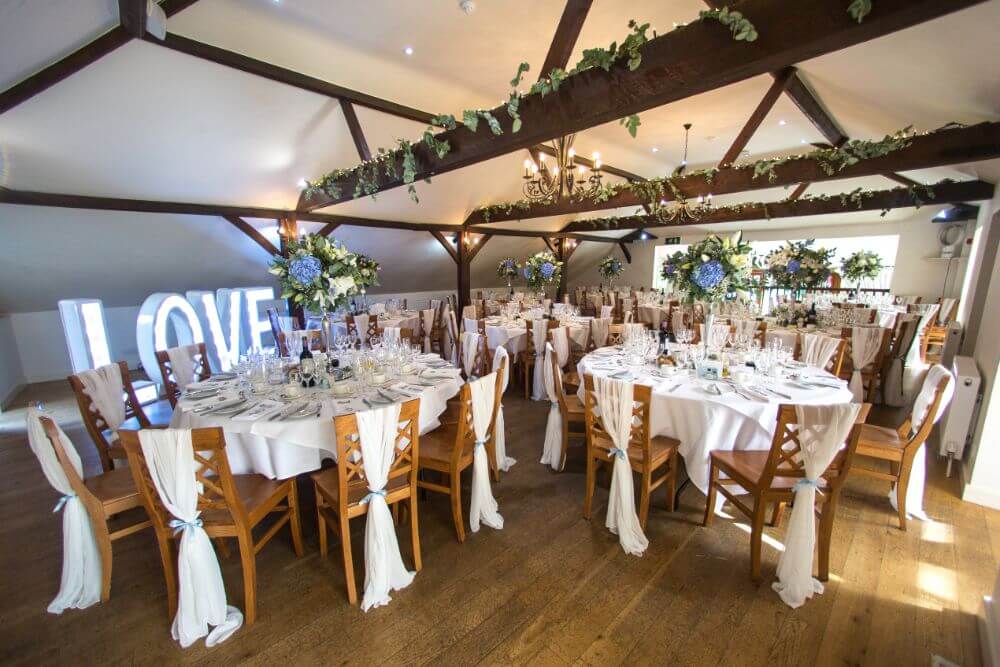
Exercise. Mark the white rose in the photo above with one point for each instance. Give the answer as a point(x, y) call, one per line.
point(342, 285)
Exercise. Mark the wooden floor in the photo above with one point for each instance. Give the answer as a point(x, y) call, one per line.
point(551, 588)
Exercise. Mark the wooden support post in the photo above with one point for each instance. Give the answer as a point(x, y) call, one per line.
point(288, 230)
point(565, 249)
point(464, 274)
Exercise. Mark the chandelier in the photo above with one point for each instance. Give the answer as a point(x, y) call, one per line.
point(682, 210)
point(563, 179)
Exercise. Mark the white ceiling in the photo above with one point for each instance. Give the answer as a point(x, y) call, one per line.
point(147, 122)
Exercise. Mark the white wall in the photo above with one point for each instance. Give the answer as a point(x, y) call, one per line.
point(11, 372)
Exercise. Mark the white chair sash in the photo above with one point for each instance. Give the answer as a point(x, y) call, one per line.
point(865, 344)
point(928, 314)
point(539, 330)
point(469, 313)
point(921, 407)
point(614, 399)
point(384, 569)
point(427, 318)
point(504, 462)
point(80, 584)
point(470, 324)
point(787, 338)
point(552, 446)
point(818, 350)
point(606, 312)
point(470, 345)
point(483, 506)
point(361, 325)
point(105, 386)
point(893, 389)
point(599, 328)
point(451, 331)
point(391, 335)
point(560, 343)
point(201, 598)
point(181, 365)
point(822, 431)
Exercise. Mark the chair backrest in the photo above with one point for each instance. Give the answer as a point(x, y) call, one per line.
point(351, 469)
point(557, 383)
point(530, 348)
point(364, 336)
point(927, 425)
point(616, 334)
point(218, 500)
point(96, 423)
point(202, 371)
point(783, 459)
point(279, 335)
point(405, 335)
point(639, 435)
point(481, 360)
point(90, 501)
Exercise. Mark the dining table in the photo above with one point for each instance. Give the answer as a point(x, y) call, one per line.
point(281, 432)
point(707, 415)
point(513, 333)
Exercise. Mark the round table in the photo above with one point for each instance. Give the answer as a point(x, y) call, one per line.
point(283, 449)
point(702, 422)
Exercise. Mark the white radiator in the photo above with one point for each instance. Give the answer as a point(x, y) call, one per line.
point(958, 424)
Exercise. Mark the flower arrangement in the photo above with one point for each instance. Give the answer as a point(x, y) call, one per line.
point(610, 268)
point(789, 311)
point(798, 265)
point(508, 269)
point(542, 269)
point(711, 269)
point(862, 265)
point(322, 275)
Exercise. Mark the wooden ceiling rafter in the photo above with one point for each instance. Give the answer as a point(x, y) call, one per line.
point(564, 39)
point(478, 245)
point(328, 228)
point(132, 17)
point(252, 232)
point(674, 66)
point(446, 244)
point(90, 53)
point(354, 126)
point(628, 255)
point(952, 146)
point(944, 193)
point(779, 86)
point(798, 191)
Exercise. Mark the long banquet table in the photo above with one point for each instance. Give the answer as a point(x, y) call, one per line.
point(702, 422)
point(282, 449)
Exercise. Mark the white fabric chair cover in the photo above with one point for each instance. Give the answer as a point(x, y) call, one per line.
point(822, 431)
point(104, 386)
point(483, 506)
point(201, 597)
point(384, 569)
point(921, 406)
point(451, 336)
point(865, 343)
point(627, 316)
point(361, 325)
point(818, 350)
point(539, 330)
point(470, 324)
point(435, 304)
point(865, 315)
point(427, 318)
point(928, 314)
point(376, 309)
point(614, 399)
point(945, 311)
point(599, 328)
point(746, 327)
point(606, 312)
point(552, 446)
point(80, 585)
point(560, 343)
point(546, 304)
point(893, 380)
point(470, 345)
point(391, 335)
point(504, 462)
point(469, 312)
point(787, 338)
point(720, 334)
point(677, 321)
point(181, 365)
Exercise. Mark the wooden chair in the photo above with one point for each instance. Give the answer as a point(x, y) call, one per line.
point(570, 378)
point(570, 409)
point(836, 362)
point(229, 505)
point(769, 476)
point(97, 425)
point(898, 447)
point(276, 332)
point(871, 375)
point(405, 335)
point(363, 336)
point(448, 451)
point(104, 496)
point(616, 334)
point(646, 454)
point(936, 332)
point(340, 491)
point(530, 353)
point(202, 371)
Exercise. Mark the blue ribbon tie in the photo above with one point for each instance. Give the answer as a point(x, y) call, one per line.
point(480, 443)
point(614, 452)
point(63, 501)
point(804, 482)
point(179, 525)
point(371, 494)
point(554, 405)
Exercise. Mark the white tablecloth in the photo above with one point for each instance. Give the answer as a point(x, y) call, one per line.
point(653, 314)
point(283, 449)
point(703, 422)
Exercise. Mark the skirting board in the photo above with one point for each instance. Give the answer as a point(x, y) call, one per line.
point(989, 641)
point(980, 496)
point(7, 400)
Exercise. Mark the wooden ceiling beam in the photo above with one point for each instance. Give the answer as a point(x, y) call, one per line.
point(248, 229)
point(549, 244)
point(328, 228)
point(447, 245)
point(779, 86)
point(944, 193)
point(902, 180)
point(813, 109)
point(567, 32)
point(132, 17)
point(76, 61)
point(952, 146)
point(628, 255)
point(693, 59)
point(357, 134)
point(798, 191)
point(478, 245)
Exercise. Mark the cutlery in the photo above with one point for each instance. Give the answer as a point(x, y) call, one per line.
point(284, 413)
point(220, 408)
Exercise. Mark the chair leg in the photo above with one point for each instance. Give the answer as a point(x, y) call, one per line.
point(345, 545)
point(644, 499)
point(249, 563)
point(221, 546)
point(456, 504)
point(294, 524)
point(713, 483)
point(901, 485)
point(588, 495)
point(671, 483)
point(104, 546)
point(825, 535)
point(415, 533)
point(779, 510)
point(167, 558)
point(756, 535)
point(321, 525)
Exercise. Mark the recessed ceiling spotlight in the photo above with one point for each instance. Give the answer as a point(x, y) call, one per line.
point(782, 122)
point(655, 149)
point(467, 6)
point(408, 50)
point(802, 141)
point(303, 183)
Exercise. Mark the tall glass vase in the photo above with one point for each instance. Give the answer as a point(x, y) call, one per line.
point(709, 323)
point(326, 325)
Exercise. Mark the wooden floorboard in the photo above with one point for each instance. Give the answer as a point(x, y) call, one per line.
point(549, 589)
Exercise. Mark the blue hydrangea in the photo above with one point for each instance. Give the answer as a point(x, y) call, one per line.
point(305, 269)
point(793, 266)
point(547, 270)
point(709, 274)
point(509, 265)
point(670, 269)
point(527, 272)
